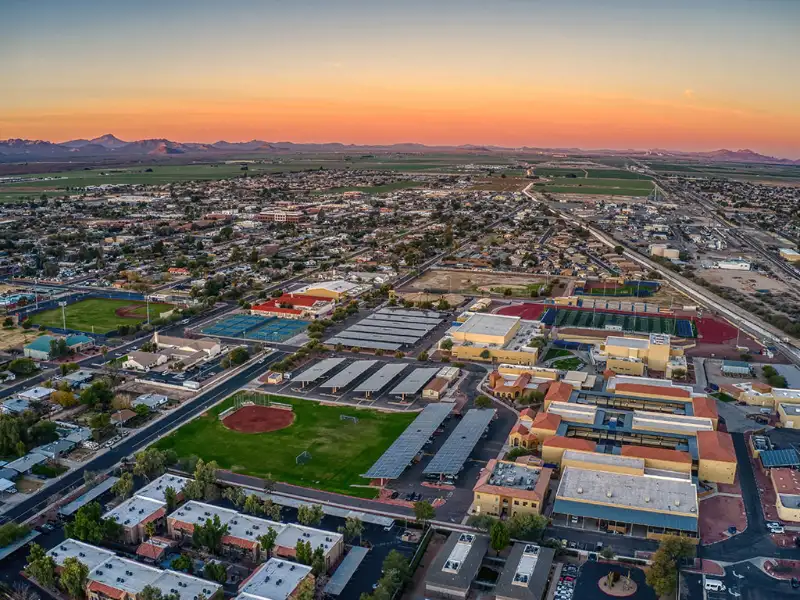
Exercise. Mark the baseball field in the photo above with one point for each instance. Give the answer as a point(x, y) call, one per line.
point(100, 314)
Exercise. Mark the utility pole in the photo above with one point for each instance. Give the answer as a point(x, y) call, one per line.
point(63, 314)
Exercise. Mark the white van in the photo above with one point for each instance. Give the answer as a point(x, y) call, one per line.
point(714, 585)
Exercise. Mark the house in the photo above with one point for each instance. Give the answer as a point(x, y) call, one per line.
point(144, 361)
point(151, 401)
point(55, 450)
point(36, 394)
point(14, 406)
point(24, 465)
point(435, 389)
point(79, 378)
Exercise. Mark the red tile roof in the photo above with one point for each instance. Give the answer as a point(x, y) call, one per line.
point(155, 516)
point(106, 590)
point(705, 407)
point(715, 445)
point(230, 540)
point(785, 481)
point(571, 443)
point(520, 428)
point(527, 412)
point(558, 392)
point(546, 421)
point(657, 454)
point(151, 551)
point(654, 390)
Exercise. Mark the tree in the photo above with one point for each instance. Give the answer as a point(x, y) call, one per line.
point(151, 592)
point(305, 590)
point(619, 250)
point(209, 535)
point(662, 574)
point(267, 541)
point(123, 487)
point(41, 567)
point(483, 401)
point(422, 356)
point(499, 536)
point(204, 486)
point(608, 553)
point(269, 483)
point(253, 505)
point(171, 498)
point(11, 532)
point(239, 356)
point(235, 495)
point(149, 463)
point(271, 510)
point(527, 526)
point(21, 591)
point(64, 399)
point(352, 528)
point(318, 566)
point(423, 511)
point(150, 529)
point(303, 553)
point(89, 526)
point(485, 355)
point(483, 522)
point(22, 366)
point(310, 514)
point(142, 410)
point(73, 577)
point(446, 344)
point(215, 572)
point(183, 563)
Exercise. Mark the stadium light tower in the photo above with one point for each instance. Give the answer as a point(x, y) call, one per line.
point(63, 314)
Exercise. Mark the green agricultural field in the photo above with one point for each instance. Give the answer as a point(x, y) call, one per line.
point(341, 450)
point(598, 187)
point(100, 314)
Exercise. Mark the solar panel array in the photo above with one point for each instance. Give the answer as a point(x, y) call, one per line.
point(349, 374)
point(457, 448)
point(372, 345)
point(381, 378)
point(391, 328)
point(415, 380)
point(318, 370)
point(395, 460)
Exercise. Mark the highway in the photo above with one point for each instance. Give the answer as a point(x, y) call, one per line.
point(734, 313)
point(137, 441)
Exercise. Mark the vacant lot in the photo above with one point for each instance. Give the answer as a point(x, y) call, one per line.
point(472, 283)
point(102, 314)
point(340, 450)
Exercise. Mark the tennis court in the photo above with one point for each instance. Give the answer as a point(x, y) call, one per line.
point(255, 327)
point(563, 317)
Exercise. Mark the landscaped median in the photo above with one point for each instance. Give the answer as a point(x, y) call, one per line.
point(341, 449)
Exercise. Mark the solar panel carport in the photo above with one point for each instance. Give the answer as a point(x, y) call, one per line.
point(400, 454)
point(457, 448)
point(414, 382)
point(431, 314)
point(380, 379)
point(372, 345)
point(318, 370)
point(398, 323)
point(348, 374)
point(391, 339)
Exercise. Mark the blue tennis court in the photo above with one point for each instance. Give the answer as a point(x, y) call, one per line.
point(254, 327)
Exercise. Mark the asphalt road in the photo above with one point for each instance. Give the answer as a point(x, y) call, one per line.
point(137, 441)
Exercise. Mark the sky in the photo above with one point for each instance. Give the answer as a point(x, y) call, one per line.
point(690, 75)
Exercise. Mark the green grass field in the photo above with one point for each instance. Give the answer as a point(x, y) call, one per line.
point(98, 313)
point(598, 186)
point(567, 364)
point(556, 353)
point(341, 450)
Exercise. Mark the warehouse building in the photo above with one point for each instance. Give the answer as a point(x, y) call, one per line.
point(496, 338)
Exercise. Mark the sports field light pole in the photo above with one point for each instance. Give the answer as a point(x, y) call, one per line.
point(147, 304)
point(63, 314)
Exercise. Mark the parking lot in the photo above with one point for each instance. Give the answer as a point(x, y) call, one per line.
point(587, 585)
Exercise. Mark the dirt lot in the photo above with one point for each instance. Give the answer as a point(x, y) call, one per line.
point(499, 184)
point(452, 299)
point(743, 281)
point(136, 389)
point(475, 282)
point(16, 337)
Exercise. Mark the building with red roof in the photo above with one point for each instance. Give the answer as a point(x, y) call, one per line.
point(295, 306)
point(553, 449)
point(717, 457)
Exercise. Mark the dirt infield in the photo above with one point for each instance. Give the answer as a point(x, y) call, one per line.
point(259, 419)
point(130, 311)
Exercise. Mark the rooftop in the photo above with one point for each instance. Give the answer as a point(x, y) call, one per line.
point(487, 324)
point(155, 489)
point(458, 561)
point(136, 510)
point(89, 555)
point(599, 458)
point(627, 342)
point(520, 480)
point(276, 579)
point(665, 454)
point(640, 492)
point(715, 445)
point(526, 572)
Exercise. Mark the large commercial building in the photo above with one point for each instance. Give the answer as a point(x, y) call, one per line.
point(620, 494)
point(295, 306)
point(506, 488)
point(495, 338)
point(757, 393)
point(666, 425)
point(630, 355)
point(244, 532)
point(114, 578)
point(334, 290)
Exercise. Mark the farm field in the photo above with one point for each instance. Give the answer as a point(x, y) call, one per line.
point(340, 450)
point(588, 173)
point(102, 314)
point(598, 186)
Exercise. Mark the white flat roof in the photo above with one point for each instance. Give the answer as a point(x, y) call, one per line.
point(134, 510)
point(276, 579)
point(155, 489)
point(89, 555)
point(293, 533)
point(486, 324)
point(641, 492)
point(604, 459)
point(626, 342)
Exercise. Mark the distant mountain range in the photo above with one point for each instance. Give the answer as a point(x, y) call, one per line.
point(109, 145)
